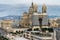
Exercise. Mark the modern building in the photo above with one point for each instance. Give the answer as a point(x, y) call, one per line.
point(6, 24)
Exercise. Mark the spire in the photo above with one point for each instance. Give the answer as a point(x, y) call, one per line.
point(33, 8)
point(32, 4)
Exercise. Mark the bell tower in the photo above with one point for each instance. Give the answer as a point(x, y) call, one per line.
point(44, 8)
point(33, 8)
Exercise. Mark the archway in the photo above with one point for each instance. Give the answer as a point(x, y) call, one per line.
point(40, 22)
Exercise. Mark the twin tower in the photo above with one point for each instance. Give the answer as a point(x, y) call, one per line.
point(39, 19)
point(34, 7)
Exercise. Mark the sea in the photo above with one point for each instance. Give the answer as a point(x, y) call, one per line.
point(19, 9)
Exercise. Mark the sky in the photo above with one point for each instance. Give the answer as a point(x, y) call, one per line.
point(48, 2)
point(15, 10)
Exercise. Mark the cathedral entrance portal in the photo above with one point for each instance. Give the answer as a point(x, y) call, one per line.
point(40, 22)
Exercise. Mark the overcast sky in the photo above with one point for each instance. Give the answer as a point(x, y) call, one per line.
point(13, 10)
point(48, 2)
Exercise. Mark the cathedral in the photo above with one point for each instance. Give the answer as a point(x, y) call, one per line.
point(33, 18)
